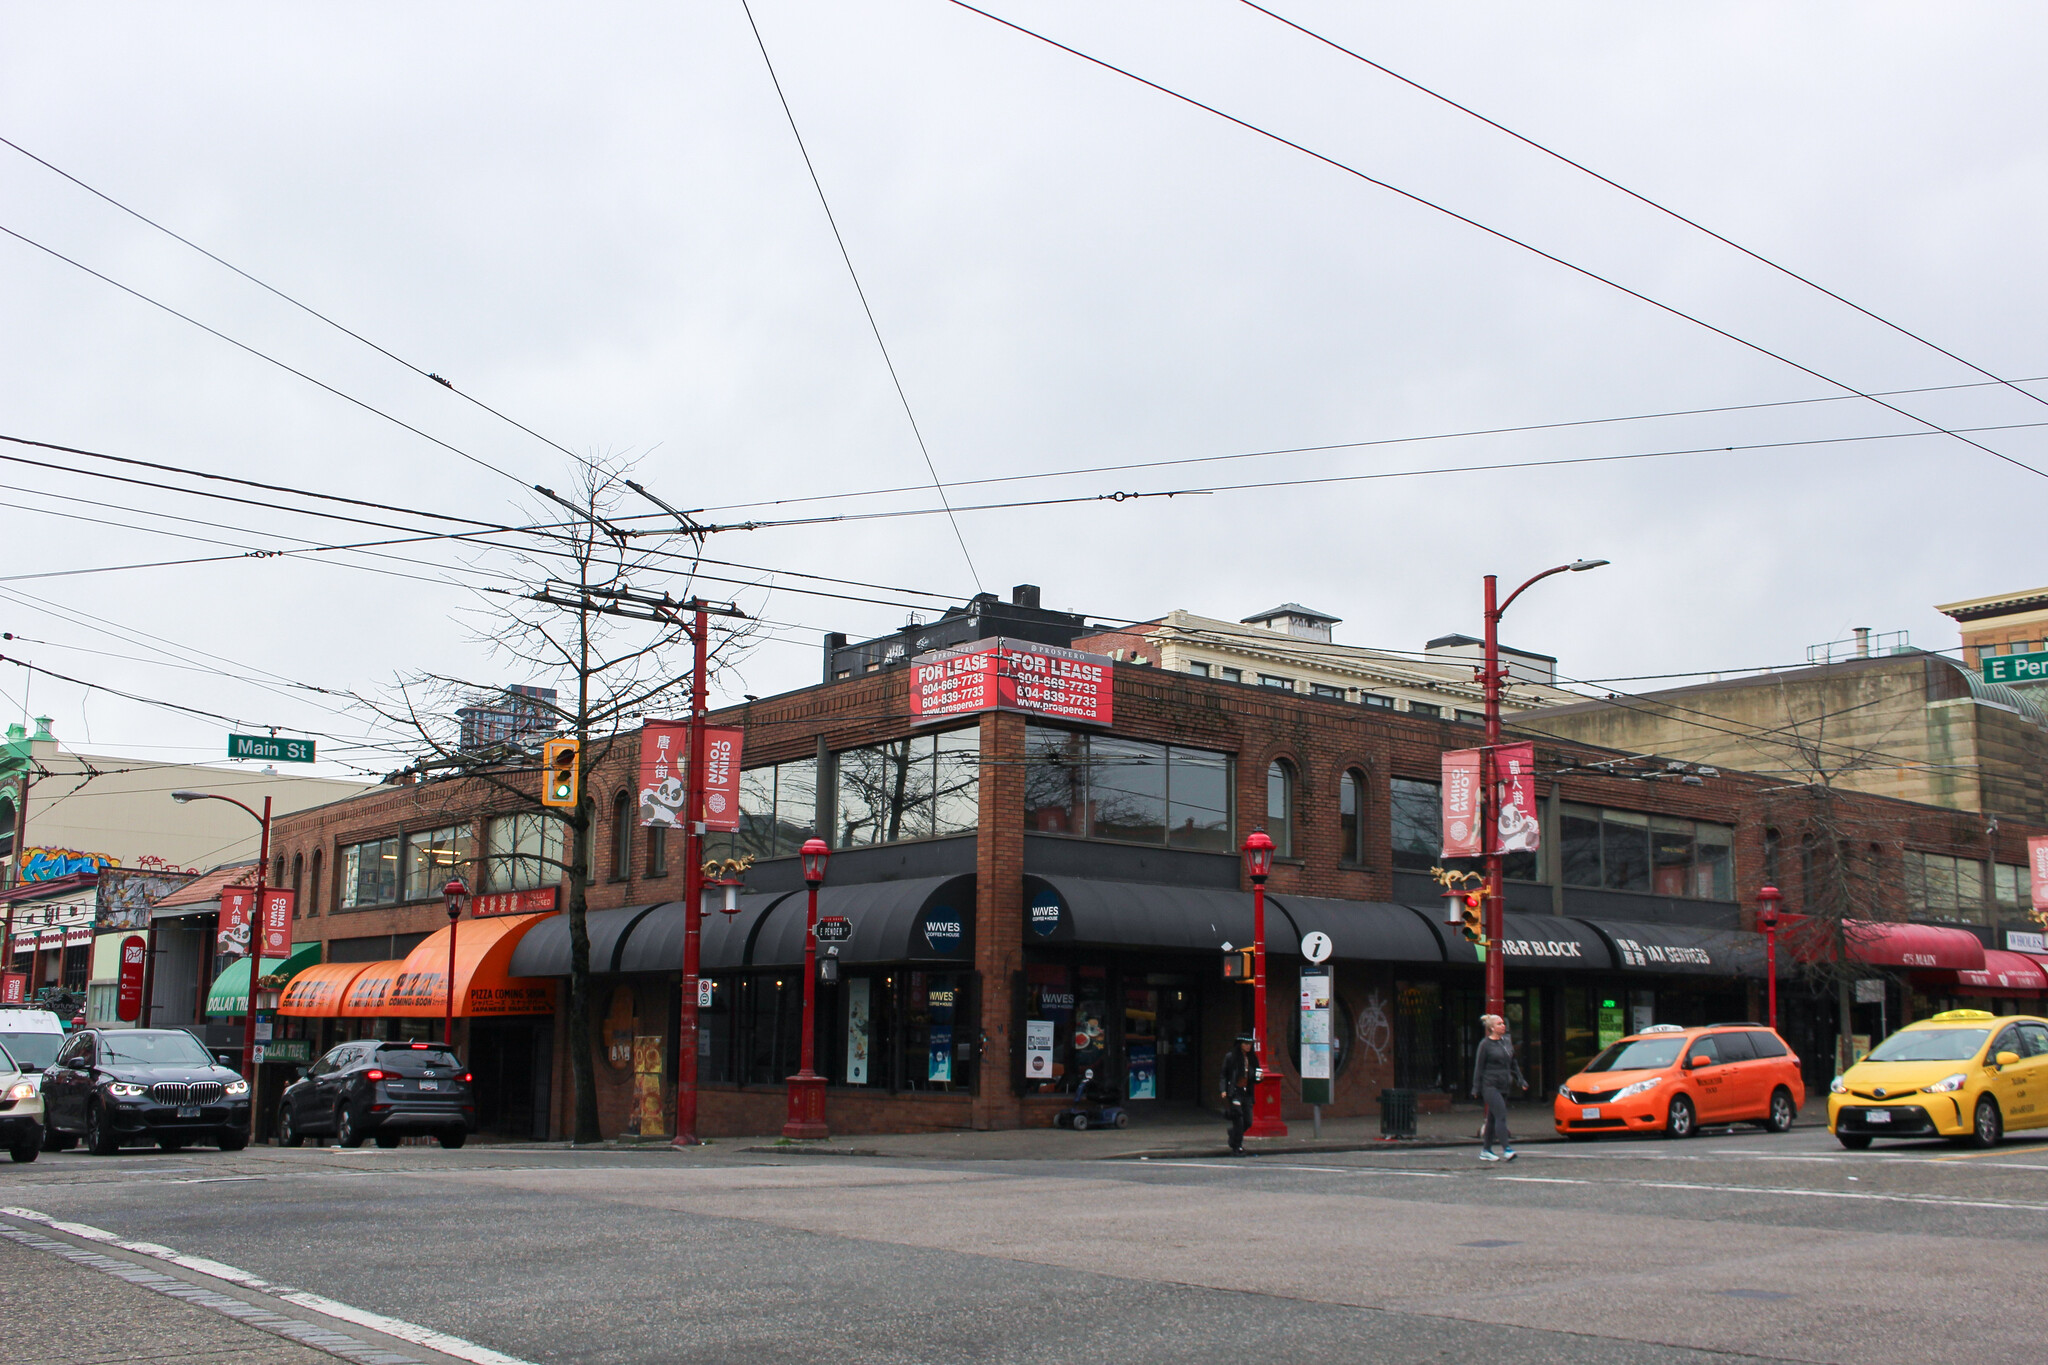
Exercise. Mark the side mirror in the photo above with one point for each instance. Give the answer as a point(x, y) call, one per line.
point(1699, 1060)
point(298, 1073)
point(2008, 1058)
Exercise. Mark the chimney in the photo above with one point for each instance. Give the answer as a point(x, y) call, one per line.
point(835, 640)
point(1862, 642)
point(1024, 595)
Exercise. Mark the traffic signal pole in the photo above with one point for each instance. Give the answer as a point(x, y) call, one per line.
point(693, 889)
point(1489, 814)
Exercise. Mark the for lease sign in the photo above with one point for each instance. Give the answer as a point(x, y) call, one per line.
point(1012, 675)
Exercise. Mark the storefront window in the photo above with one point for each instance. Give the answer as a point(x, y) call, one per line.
point(935, 1033)
point(1135, 791)
point(433, 856)
point(369, 874)
point(522, 852)
point(921, 787)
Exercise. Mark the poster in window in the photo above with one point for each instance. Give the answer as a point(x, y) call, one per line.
point(1038, 1039)
point(1514, 795)
point(1144, 1062)
point(1461, 804)
point(664, 775)
point(941, 1053)
point(857, 1017)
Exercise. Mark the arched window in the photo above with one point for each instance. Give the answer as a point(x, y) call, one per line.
point(277, 871)
point(1351, 817)
point(313, 887)
point(1280, 807)
point(657, 851)
point(298, 878)
point(622, 836)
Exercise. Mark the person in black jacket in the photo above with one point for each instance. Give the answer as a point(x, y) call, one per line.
point(1240, 1074)
point(1494, 1070)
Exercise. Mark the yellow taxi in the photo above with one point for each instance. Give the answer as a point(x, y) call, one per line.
point(1966, 1075)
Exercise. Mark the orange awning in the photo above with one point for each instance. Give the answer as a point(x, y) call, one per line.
point(317, 992)
point(483, 989)
point(364, 998)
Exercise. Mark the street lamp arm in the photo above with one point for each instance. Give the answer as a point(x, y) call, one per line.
point(1502, 609)
point(183, 797)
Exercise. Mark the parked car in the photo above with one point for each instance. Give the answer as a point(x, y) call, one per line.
point(1675, 1080)
point(21, 1109)
point(32, 1035)
point(1966, 1075)
point(110, 1086)
point(380, 1090)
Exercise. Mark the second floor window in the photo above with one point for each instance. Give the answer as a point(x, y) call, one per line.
point(1280, 807)
point(1137, 791)
point(1351, 817)
point(432, 856)
point(369, 873)
point(1415, 816)
point(1942, 887)
point(922, 787)
point(522, 851)
point(1657, 854)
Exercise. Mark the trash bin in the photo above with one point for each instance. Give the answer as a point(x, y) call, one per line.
point(1397, 1113)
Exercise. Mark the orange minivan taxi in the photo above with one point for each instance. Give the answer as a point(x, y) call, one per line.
point(1675, 1080)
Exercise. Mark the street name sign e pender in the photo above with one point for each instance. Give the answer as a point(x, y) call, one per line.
point(834, 929)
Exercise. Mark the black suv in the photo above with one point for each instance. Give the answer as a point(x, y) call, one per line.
point(111, 1086)
point(381, 1090)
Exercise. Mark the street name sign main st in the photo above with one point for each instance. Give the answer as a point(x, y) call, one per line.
point(270, 747)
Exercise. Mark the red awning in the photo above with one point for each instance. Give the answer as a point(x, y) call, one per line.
point(2004, 974)
point(1915, 945)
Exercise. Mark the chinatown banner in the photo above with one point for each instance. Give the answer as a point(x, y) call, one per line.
point(277, 922)
point(232, 941)
point(1516, 827)
point(2037, 862)
point(663, 775)
point(1012, 675)
point(1461, 804)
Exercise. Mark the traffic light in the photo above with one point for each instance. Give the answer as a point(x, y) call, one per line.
point(1470, 921)
point(561, 776)
point(1237, 964)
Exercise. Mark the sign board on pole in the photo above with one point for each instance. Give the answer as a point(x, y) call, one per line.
point(1316, 947)
point(2015, 668)
point(2037, 865)
point(704, 992)
point(13, 988)
point(1316, 1071)
point(834, 929)
point(235, 904)
point(128, 995)
point(1012, 675)
point(277, 922)
point(1461, 804)
point(1516, 828)
point(664, 776)
point(271, 748)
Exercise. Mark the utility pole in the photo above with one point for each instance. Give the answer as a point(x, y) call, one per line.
point(693, 888)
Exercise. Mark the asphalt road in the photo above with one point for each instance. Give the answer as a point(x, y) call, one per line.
point(1738, 1244)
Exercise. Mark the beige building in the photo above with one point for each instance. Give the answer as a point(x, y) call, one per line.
point(1293, 648)
point(2005, 623)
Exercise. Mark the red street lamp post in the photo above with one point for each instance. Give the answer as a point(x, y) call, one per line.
point(806, 1089)
point(1492, 675)
point(1258, 865)
point(455, 893)
point(1768, 900)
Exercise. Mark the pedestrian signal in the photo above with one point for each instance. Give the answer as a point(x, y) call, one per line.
point(561, 777)
point(1237, 964)
point(1470, 922)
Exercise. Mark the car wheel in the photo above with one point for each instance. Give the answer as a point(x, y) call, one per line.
point(26, 1152)
point(231, 1141)
point(1855, 1142)
point(387, 1140)
point(171, 1144)
point(99, 1136)
point(1682, 1123)
point(1782, 1112)
point(1988, 1130)
point(453, 1140)
point(346, 1134)
point(288, 1134)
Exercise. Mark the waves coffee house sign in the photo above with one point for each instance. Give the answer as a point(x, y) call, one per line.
point(1011, 675)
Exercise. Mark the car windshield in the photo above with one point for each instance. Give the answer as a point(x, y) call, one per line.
point(411, 1061)
point(33, 1050)
point(156, 1049)
point(1639, 1054)
point(1930, 1045)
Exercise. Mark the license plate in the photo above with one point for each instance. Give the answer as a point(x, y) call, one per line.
point(1592, 1113)
point(430, 1085)
point(188, 1111)
point(1877, 1116)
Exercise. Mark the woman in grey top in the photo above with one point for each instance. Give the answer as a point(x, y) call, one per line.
point(1494, 1070)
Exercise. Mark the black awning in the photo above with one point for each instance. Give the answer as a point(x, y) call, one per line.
point(1536, 941)
point(656, 943)
point(544, 951)
point(1081, 910)
point(919, 919)
point(1360, 931)
point(1675, 949)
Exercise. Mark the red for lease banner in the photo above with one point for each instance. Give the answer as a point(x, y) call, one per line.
point(1012, 675)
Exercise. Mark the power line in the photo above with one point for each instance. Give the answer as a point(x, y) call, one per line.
point(1647, 202)
point(866, 308)
point(1496, 233)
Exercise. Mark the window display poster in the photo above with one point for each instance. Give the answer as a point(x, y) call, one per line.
point(941, 1053)
point(1144, 1063)
point(857, 1017)
point(1610, 1022)
point(1038, 1036)
point(1315, 1035)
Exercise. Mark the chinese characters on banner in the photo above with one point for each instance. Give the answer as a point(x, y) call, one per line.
point(2037, 862)
point(232, 941)
point(1514, 796)
point(1461, 804)
point(1011, 675)
point(663, 776)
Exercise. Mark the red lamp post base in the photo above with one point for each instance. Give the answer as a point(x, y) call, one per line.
point(806, 1108)
point(1266, 1120)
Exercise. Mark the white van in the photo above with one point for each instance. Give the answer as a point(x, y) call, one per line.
point(31, 1036)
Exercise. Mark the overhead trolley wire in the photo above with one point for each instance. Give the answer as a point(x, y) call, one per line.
point(1495, 233)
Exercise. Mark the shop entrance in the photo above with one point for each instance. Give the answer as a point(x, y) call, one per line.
point(509, 1058)
point(1162, 1039)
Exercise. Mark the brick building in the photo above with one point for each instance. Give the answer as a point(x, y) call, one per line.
point(1004, 870)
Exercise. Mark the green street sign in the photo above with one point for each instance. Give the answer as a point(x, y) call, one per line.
point(270, 747)
point(2015, 668)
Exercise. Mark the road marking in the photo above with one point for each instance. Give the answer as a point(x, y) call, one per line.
point(1934, 1201)
point(250, 1313)
point(1326, 1170)
point(1978, 1156)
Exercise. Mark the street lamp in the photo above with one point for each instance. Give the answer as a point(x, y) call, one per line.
point(456, 895)
point(806, 1117)
point(1768, 899)
point(1492, 676)
point(255, 938)
point(1258, 865)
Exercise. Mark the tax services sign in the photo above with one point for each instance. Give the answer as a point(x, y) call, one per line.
point(1012, 675)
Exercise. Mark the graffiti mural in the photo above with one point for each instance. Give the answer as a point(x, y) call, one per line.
point(124, 896)
point(1375, 1029)
point(53, 864)
point(150, 862)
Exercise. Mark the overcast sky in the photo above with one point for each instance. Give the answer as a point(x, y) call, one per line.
point(597, 221)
